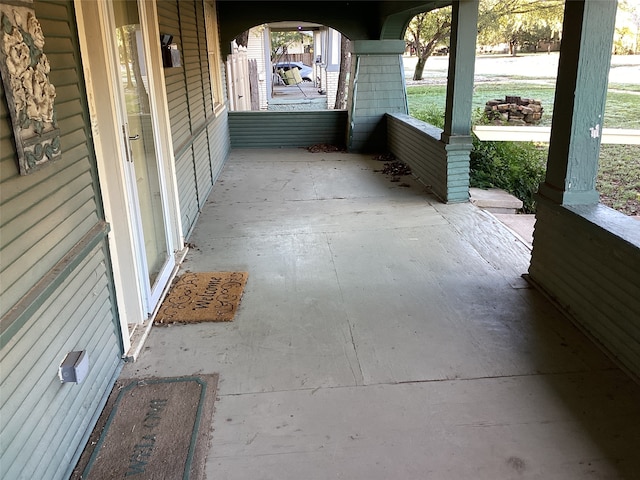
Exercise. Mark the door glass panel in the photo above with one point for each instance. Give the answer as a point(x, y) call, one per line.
point(133, 77)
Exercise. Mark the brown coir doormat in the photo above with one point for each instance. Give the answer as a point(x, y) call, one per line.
point(203, 297)
point(157, 428)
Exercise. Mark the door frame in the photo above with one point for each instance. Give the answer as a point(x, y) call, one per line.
point(95, 28)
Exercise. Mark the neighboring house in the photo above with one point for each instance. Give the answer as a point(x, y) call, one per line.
point(258, 50)
point(327, 51)
point(91, 241)
point(325, 65)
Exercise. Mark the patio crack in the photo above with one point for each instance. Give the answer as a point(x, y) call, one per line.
point(313, 181)
point(358, 376)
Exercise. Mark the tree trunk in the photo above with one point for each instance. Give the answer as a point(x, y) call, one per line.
point(417, 74)
point(243, 39)
point(343, 76)
point(143, 97)
point(124, 36)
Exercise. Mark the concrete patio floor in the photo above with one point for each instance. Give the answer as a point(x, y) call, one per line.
point(385, 335)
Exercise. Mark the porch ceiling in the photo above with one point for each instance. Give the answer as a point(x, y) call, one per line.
point(358, 20)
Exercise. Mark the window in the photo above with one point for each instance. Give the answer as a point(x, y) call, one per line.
point(213, 54)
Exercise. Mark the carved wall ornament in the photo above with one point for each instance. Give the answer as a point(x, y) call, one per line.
point(30, 95)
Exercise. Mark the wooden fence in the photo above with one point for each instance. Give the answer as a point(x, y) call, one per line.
point(242, 81)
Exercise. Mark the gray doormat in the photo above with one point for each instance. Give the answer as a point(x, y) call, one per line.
point(155, 428)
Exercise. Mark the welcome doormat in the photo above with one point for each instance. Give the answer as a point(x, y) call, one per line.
point(156, 428)
point(203, 297)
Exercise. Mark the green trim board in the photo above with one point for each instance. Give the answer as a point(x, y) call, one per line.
point(15, 318)
point(49, 212)
point(197, 131)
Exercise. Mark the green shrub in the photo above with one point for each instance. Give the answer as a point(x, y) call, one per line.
point(431, 114)
point(619, 175)
point(516, 167)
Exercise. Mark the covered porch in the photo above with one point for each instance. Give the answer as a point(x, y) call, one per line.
point(384, 334)
point(386, 330)
point(585, 255)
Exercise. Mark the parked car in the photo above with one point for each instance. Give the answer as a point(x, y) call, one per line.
point(306, 72)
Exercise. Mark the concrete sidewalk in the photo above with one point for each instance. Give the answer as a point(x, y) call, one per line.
point(384, 335)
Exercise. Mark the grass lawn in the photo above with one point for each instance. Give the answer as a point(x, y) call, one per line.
point(619, 177)
point(430, 96)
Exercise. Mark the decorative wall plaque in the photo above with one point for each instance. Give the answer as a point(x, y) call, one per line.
point(30, 95)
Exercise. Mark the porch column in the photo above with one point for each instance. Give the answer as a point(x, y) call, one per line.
point(377, 88)
point(581, 90)
point(586, 256)
point(457, 122)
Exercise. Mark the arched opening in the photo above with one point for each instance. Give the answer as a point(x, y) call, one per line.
point(287, 66)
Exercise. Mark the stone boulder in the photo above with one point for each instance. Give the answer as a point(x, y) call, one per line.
point(514, 111)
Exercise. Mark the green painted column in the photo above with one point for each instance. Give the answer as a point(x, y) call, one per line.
point(377, 88)
point(462, 57)
point(581, 90)
point(457, 126)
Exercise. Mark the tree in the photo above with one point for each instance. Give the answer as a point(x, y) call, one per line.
point(516, 22)
point(343, 76)
point(626, 38)
point(242, 40)
point(424, 33)
point(281, 41)
point(519, 22)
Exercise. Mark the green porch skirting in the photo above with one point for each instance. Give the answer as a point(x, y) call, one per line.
point(267, 129)
point(587, 258)
point(443, 167)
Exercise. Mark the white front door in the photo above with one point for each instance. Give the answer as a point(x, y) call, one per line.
point(119, 43)
point(142, 166)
